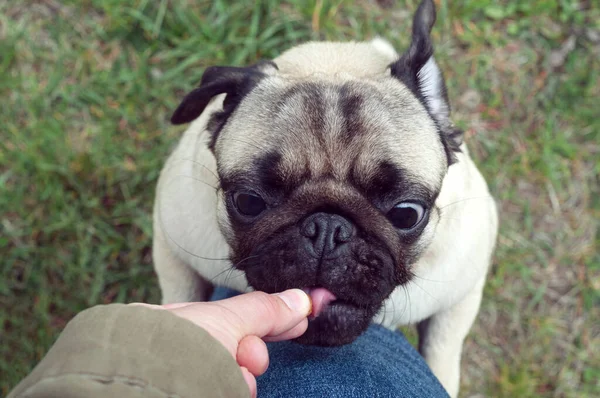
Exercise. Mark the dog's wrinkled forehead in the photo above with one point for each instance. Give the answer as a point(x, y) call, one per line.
point(343, 130)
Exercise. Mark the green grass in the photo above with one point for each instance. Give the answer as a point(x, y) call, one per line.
point(87, 88)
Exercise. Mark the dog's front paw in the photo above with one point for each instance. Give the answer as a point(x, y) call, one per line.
point(448, 372)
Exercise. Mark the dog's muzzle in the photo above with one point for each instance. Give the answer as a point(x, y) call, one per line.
point(347, 273)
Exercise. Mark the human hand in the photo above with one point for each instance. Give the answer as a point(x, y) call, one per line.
point(243, 323)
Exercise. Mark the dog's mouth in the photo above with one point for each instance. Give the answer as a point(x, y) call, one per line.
point(333, 321)
point(321, 299)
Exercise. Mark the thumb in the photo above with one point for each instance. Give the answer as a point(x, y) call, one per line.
point(264, 315)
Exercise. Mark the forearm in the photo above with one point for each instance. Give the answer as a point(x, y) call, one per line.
point(132, 351)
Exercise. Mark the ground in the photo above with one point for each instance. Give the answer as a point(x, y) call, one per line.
point(87, 88)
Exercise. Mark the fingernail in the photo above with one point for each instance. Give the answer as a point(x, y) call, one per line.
point(296, 300)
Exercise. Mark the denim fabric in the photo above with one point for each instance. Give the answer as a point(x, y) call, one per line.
point(380, 363)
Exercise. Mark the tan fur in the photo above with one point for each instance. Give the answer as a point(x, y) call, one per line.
point(403, 120)
point(299, 63)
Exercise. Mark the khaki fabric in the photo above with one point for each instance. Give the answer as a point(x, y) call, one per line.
point(130, 351)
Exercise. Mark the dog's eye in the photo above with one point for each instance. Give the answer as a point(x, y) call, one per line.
point(406, 215)
point(249, 203)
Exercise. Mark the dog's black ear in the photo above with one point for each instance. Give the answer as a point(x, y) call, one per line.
point(418, 70)
point(236, 82)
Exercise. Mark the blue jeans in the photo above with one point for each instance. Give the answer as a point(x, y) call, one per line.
point(380, 363)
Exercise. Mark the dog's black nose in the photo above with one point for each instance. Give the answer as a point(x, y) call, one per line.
point(326, 234)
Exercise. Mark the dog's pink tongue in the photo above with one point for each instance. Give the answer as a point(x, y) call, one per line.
point(321, 298)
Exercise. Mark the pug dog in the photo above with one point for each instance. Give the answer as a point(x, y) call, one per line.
point(334, 168)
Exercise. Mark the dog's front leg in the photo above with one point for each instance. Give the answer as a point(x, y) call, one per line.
point(178, 282)
point(441, 338)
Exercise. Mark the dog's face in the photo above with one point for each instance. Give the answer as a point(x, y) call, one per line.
point(329, 184)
